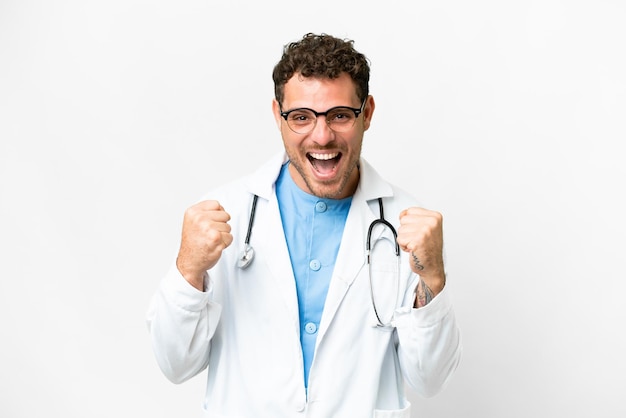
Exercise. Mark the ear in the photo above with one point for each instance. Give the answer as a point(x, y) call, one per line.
point(368, 112)
point(276, 111)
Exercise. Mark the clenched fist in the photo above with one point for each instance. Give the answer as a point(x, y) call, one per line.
point(421, 235)
point(206, 233)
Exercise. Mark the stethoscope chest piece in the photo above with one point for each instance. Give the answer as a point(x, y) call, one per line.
point(247, 255)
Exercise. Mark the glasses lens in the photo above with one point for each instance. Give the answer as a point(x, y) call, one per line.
point(341, 119)
point(301, 120)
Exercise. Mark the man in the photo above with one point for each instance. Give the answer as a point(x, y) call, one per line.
point(290, 288)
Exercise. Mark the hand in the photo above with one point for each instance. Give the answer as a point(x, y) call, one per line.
point(205, 235)
point(421, 235)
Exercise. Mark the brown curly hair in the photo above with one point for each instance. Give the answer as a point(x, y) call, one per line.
point(321, 56)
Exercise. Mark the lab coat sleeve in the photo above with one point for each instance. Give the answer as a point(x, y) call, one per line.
point(181, 321)
point(429, 344)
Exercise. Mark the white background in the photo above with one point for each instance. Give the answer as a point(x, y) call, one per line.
point(507, 116)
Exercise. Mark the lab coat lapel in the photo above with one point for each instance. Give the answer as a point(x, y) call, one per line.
point(276, 255)
point(350, 261)
point(351, 258)
point(273, 249)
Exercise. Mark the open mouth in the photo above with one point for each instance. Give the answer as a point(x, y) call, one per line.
point(324, 164)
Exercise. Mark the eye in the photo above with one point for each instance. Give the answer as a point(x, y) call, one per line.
point(300, 117)
point(341, 115)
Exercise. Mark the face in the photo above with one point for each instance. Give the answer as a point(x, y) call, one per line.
point(323, 162)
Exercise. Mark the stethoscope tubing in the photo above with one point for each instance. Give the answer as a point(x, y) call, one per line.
point(251, 219)
point(382, 221)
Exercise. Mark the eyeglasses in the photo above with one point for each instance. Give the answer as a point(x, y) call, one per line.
point(339, 118)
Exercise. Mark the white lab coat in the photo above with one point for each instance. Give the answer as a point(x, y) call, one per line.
point(245, 327)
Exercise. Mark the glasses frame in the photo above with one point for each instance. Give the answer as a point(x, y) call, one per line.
point(357, 112)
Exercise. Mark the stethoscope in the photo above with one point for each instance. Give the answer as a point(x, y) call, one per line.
point(368, 248)
point(247, 255)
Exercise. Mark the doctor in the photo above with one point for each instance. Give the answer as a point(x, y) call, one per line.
point(274, 291)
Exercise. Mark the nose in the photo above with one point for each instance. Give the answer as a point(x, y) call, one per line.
point(321, 133)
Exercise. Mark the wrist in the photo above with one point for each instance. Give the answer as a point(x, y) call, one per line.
point(427, 288)
point(193, 277)
point(435, 283)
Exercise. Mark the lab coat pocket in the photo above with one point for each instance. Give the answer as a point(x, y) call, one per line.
point(394, 413)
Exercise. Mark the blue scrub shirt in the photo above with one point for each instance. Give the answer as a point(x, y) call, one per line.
point(313, 229)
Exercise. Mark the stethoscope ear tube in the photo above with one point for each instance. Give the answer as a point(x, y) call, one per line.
point(388, 225)
point(383, 221)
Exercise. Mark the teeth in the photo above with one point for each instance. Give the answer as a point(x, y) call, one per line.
point(323, 156)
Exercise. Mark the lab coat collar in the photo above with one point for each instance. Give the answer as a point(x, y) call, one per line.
point(262, 182)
